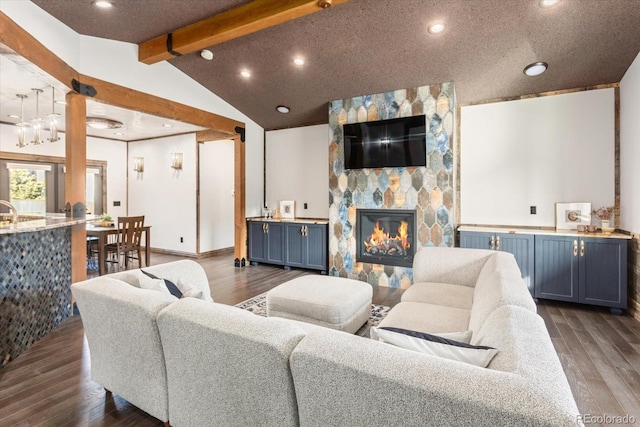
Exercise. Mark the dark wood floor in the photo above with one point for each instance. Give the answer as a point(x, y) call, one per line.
point(50, 383)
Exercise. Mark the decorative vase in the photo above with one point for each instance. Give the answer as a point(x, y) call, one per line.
point(105, 223)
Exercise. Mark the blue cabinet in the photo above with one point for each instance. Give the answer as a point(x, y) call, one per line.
point(266, 242)
point(520, 245)
point(588, 270)
point(292, 244)
point(306, 246)
point(556, 266)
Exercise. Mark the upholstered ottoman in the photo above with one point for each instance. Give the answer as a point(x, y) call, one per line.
point(333, 302)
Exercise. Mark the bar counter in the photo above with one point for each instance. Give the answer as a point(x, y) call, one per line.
point(35, 276)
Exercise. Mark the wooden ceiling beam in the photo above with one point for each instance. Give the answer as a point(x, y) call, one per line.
point(240, 21)
point(13, 37)
point(131, 99)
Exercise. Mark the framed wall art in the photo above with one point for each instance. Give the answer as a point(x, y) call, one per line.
point(288, 209)
point(570, 215)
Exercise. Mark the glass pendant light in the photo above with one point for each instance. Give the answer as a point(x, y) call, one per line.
point(22, 125)
point(36, 123)
point(53, 118)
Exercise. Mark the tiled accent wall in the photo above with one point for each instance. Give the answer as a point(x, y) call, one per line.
point(429, 190)
point(35, 275)
point(633, 276)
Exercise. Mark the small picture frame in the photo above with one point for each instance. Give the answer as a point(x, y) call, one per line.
point(570, 215)
point(288, 209)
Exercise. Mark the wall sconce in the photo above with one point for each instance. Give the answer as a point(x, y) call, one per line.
point(138, 164)
point(176, 161)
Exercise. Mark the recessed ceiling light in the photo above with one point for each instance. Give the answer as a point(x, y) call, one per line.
point(58, 101)
point(298, 61)
point(245, 74)
point(13, 116)
point(120, 133)
point(535, 69)
point(206, 54)
point(167, 125)
point(436, 28)
point(548, 3)
point(282, 109)
point(104, 4)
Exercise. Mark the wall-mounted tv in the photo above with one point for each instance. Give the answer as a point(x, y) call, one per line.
point(385, 143)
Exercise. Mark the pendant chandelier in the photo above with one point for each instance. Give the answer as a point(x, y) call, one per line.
point(36, 124)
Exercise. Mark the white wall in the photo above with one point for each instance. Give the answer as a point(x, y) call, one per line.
point(296, 169)
point(112, 151)
point(165, 196)
point(536, 152)
point(216, 195)
point(630, 148)
point(117, 62)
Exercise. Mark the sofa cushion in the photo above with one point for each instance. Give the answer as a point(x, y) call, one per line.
point(168, 285)
point(437, 345)
point(500, 288)
point(429, 318)
point(458, 266)
point(464, 336)
point(501, 261)
point(188, 290)
point(440, 294)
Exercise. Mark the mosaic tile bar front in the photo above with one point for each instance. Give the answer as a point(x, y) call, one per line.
point(429, 190)
point(35, 275)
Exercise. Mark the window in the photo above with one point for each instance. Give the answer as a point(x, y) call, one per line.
point(38, 188)
point(28, 187)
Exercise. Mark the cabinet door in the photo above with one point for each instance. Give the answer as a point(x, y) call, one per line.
point(296, 245)
point(603, 272)
point(316, 239)
point(257, 242)
point(522, 248)
point(556, 268)
point(476, 240)
point(275, 243)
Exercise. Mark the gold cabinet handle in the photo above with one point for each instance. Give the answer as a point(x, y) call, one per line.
point(491, 243)
point(581, 247)
point(267, 228)
point(497, 243)
point(302, 230)
point(575, 248)
point(305, 230)
point(264, 227)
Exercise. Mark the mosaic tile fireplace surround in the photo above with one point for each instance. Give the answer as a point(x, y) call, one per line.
point(427, 190)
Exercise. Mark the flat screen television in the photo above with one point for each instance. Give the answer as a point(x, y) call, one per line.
point(385, 143)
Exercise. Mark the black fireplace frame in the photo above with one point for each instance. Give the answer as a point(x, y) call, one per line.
point(397, 215)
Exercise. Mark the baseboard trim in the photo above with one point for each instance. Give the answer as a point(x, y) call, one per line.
point(208, 254)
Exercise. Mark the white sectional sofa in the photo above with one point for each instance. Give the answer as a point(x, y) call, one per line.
point(219, 365)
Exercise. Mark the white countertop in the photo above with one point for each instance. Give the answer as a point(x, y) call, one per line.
point(542, 231)
point(298, 220)
point(50, 220)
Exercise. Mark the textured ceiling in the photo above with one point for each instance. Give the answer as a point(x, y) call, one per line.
point(370, 46)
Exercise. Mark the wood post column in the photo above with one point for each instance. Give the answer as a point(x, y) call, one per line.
point(75, 179)
point(240, 238)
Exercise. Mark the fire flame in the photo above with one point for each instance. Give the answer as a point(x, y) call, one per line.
point(380, 237)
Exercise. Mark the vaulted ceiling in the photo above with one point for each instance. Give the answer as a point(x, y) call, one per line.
point(370, 46)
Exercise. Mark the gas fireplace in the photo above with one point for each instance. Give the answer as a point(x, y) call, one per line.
point(386, 236)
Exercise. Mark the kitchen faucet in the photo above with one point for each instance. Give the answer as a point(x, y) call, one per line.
point(13, 209)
